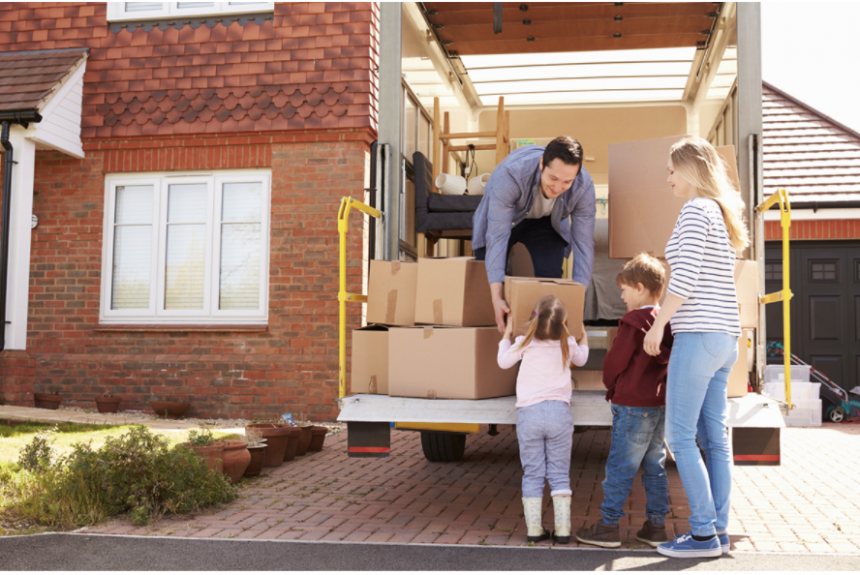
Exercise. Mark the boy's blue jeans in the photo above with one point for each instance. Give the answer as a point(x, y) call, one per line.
point(697, 408)
point(637, 440)
point(545, 435)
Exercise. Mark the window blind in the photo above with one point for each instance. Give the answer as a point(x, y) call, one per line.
point(241, 219)
point(185, 271)
point(132, 250)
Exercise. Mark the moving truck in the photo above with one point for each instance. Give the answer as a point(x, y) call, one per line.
point(463, 84)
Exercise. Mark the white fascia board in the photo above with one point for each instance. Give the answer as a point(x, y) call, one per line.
point(60, 128)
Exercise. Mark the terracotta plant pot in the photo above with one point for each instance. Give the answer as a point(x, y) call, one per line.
point(48, 400)
point(213, 454)
point(318, 433)
point(292, 443)
point(305, 439)
point(107, 404)
point(276, 442)
point(256, 463)
point(169, 409)
point(236, 459)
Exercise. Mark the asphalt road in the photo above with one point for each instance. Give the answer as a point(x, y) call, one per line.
point(76, 552)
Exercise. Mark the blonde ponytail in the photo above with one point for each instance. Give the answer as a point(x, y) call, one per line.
point(699, 163)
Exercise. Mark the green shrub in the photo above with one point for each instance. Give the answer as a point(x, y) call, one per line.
point(201, 438)
point(37, 455)
point(135, 474)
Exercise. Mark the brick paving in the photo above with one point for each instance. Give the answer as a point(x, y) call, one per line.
point(811, 503)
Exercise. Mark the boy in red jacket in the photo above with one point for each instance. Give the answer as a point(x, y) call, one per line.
point(636, 384)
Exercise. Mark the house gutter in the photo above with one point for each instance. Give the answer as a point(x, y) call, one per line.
point(815, 206)
point(7, 118)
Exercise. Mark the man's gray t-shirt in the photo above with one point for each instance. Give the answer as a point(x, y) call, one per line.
point(541, 208)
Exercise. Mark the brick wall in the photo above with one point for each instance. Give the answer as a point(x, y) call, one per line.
point(815, 230)
point(291, 366)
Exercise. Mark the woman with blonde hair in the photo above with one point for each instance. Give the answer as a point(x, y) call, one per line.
point(702, 308)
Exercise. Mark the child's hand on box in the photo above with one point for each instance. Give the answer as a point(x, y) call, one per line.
point(584, 339)
point(509, 328)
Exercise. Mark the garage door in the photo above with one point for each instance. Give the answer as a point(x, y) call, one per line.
point(825, 279)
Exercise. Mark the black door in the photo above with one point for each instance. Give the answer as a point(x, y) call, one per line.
point(825, 278)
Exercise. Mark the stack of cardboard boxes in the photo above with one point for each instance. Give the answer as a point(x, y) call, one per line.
point(432, 332)
point(435, 333)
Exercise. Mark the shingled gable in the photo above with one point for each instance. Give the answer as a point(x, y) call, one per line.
point(812, 155)
point(49, 82)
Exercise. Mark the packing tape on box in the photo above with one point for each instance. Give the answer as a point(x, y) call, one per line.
point(395, 267)
point(372, 387)
point(391, 310)
point(431, 394)
point(428, 332)
point(437, 312)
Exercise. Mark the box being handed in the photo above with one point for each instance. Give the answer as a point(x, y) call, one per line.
point(447, 363)
point(523, 293)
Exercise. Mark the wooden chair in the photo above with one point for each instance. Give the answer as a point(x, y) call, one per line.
point(442, 141)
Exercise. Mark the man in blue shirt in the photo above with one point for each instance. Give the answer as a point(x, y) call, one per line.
point(528, 199)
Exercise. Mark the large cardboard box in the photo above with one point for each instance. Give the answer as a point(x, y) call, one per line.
point(370, 360)
point(447, 363)
point(523, 293)
point(642, 208)
point(391, 293)
point(746, 285)
point(453, 292)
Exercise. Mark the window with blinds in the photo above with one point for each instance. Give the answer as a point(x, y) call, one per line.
point(187, 249)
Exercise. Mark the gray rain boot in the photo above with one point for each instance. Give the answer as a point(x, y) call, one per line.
point(532, 508)
point(561, 506)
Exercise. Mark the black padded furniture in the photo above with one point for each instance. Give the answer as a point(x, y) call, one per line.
point(439, 216)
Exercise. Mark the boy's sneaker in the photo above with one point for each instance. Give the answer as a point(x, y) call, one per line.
point(686, 546)
point(724, 542)
point(652, 534)
point(600, 534)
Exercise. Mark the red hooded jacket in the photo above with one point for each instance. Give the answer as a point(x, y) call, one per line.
point(633, 377)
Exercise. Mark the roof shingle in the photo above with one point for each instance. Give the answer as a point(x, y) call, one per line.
point(29, 79)
point(814, 157)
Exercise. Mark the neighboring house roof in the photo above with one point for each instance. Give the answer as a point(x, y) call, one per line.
point(28, 80)
point(812, 156)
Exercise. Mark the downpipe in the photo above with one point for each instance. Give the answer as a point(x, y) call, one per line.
point(8, 161)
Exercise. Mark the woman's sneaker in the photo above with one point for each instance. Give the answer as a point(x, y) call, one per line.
point(724, 542)
point(600, 534)
point(686, 546)
point(652, 534)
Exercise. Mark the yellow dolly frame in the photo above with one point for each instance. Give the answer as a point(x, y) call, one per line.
point(784, 295)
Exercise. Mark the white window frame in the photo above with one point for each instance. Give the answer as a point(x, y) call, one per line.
point(117, 12)
point(210, 314)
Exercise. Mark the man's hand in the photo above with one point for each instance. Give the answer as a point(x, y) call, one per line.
point(499, 304)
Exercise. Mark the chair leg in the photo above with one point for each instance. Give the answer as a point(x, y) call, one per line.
point(430, 242)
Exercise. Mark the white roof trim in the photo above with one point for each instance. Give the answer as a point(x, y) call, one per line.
point(60, 128)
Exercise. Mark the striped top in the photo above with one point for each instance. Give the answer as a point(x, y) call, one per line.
point(703, 261)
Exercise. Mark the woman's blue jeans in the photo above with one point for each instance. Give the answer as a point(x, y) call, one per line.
point(697, 408)
point(545, 435)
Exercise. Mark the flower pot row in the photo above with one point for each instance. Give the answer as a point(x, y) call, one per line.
point(230, 457)
point(284, 442)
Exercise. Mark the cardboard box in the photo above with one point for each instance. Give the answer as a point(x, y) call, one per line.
point(739, 376)
point(523, 293)
point(453, 292)
point(746, 285)
point(370, 360)
point(642, 208)
point(587, 380)
point(448, 363)
point(391, 293)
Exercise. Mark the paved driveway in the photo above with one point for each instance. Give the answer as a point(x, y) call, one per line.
point(811, 503)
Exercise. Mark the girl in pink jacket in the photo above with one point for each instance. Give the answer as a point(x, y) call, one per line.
point(544, 420)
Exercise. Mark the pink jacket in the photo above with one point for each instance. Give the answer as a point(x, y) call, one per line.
point(542, 376)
